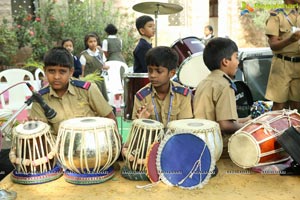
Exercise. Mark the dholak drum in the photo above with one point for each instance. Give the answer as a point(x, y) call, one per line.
point(87, 148)
point(208, 131)
point(142, 134)
point(192, 70)
point(185, 160)
point(185, 47)
point(256, 144)
point(133, 82)
point(33, 154)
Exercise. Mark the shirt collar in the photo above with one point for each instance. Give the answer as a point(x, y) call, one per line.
point(147, 39)
point(70, 89)
point(170, 89)
point(92, 53)
point(111, 36)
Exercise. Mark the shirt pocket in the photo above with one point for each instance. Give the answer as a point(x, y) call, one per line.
point(82, 108)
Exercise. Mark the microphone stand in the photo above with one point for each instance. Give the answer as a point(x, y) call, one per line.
point(4, 192)
point(13, 117)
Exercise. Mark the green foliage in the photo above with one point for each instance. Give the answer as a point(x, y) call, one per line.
point(7, 41)
point(83, 18)
point(52, 23)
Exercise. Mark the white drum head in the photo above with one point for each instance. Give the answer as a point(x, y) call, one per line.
point(147, 123)
point(87, 123)
point(31, 129)
point(193, 70)
point(207, 130)
point(248, 155)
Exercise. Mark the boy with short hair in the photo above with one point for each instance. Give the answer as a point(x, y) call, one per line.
point(69, 98)
point(215, 95)
point(162, 99)
point(146, 28)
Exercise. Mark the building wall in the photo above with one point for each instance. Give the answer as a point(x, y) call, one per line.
point(5, 10)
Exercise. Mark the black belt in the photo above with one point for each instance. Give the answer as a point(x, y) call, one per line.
point(291, 59)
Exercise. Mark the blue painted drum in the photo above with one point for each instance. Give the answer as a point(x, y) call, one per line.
point(185, 160)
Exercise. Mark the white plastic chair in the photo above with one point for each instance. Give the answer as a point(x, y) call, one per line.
point(114, 82)
point(39, 73)
point(16, 95)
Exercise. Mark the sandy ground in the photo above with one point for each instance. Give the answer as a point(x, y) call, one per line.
point(231, 182)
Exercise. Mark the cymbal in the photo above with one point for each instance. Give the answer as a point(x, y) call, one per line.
point(157, 8)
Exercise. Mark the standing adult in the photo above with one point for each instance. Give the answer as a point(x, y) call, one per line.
point(283, 37)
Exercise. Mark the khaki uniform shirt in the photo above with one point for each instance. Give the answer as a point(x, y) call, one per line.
point(284, 77)
point(278, 25)
point(181, 105)
point(76, 102)
point(215, 99)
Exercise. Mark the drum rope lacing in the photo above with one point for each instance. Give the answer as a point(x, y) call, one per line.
point(197, 165)
point(269, 128)
point(43, 157)
point(135, 155)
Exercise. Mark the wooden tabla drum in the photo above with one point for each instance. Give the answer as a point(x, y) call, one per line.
point(256, 144)
point(142, 134)
point(33, 154)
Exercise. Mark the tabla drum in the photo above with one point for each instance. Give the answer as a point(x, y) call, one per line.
point(192, 70)
point(142, 134)
point(208, 131)
point(185, 47)
point(256, 143)
point(33, 154)
point(185, 160)
point(133, 82)
point(88, 147)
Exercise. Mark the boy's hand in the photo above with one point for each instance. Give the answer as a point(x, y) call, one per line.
point(144, 111)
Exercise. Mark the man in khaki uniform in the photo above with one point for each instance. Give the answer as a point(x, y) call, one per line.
point(69, 98)
point(162, 99)
point(215, 95)
point(282, 29)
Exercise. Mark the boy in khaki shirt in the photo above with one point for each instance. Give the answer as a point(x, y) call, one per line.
point(215, 95)
point(162, 99)
point(69, 98)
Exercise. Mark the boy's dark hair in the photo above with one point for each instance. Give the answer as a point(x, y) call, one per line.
point(210, 28)
point(87, 36)
point(66, 40)
point(141, 21)
point(58, 56)
point(111, 29)
point(162, 56)
point(216, 50)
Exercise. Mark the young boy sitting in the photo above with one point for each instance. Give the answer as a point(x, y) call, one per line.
point(162, 99)
point(146, 28)
point(215, 95)
point(69, 98)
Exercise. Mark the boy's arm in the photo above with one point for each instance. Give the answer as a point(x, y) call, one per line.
point(229, 126)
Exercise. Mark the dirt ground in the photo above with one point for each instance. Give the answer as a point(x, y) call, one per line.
point(232, 182)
